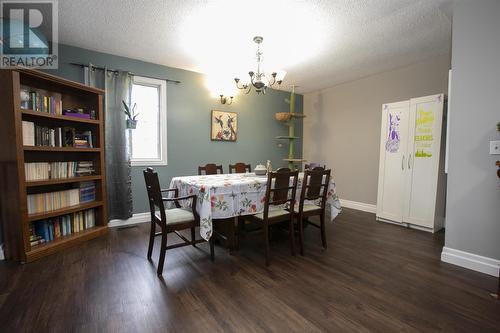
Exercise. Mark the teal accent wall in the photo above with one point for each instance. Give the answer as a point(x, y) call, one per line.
point(189, 106)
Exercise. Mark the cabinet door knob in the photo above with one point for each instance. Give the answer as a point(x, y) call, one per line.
point(403, 163)
point(409, 162)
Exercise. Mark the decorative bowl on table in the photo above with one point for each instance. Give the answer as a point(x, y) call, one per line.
point(260, 170)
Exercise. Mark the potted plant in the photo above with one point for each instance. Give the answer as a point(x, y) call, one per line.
point(131, 115)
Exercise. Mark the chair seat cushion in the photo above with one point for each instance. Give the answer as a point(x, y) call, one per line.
point(307, 208)
point(273, 213)
point(177, 215)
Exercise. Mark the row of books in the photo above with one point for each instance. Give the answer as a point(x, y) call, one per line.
point(83, 139)
point(87, 191)
point(57, 170)
point(46, 202)
point(37, 101)
point(44, 231)
point(35, 135)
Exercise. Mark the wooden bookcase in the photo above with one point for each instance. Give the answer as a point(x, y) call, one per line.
point(13, 154)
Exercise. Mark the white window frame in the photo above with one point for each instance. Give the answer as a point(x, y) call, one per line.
point(162, 85)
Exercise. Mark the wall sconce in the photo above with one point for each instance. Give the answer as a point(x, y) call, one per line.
point(226, 100)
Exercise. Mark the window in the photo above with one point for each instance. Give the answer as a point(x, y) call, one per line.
point(149, 139)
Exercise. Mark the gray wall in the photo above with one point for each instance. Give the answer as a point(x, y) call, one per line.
point(473, 211)
point(188, 117)
point(342, 128)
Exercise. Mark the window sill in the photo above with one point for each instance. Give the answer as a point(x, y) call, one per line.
point(148, 163)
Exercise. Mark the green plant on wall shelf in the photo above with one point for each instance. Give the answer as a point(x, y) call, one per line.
point(131, 115)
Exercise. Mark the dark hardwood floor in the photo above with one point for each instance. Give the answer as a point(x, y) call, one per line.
point(373, 277)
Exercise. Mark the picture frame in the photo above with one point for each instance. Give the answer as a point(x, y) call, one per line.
point(224, 126)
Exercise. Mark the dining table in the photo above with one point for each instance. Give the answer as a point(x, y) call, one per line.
point(224, 196)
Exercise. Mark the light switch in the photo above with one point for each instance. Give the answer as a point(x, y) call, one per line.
point(494, 147)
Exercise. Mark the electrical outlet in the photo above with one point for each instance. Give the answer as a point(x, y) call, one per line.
point(494, 147)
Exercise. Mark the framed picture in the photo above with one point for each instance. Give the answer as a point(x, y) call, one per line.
point(224, 126)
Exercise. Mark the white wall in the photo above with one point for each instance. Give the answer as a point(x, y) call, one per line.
point(342, 127)
point(473, 211)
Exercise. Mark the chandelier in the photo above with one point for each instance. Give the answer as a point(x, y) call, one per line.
point(259, 80)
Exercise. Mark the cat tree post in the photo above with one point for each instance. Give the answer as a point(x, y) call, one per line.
point(289, 119)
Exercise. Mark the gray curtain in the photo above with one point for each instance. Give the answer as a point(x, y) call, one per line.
point(118, 170)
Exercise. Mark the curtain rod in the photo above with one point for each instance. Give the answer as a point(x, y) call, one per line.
point(116, 71)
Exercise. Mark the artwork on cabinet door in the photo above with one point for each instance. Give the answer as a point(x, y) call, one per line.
point(393, 160)
point(424, 126)
point(393, 137)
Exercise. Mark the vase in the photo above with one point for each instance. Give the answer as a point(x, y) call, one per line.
point(131, 124)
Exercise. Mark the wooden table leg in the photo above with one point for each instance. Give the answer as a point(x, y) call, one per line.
point(497, 295)
point(231, 235)
point(498, 290)
point(225, 231)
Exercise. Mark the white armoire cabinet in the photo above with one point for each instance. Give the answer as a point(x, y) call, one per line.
point(411, 184)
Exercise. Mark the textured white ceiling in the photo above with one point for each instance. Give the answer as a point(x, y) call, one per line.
point(319, 43)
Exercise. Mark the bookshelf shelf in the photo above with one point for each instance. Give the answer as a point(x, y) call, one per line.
point(63, 211)
point(57, 117)
point(61, 181)
point(62, 149)
point(64, 242)
point(20, 229)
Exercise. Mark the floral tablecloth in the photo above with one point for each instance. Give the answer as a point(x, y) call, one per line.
point(230, 195)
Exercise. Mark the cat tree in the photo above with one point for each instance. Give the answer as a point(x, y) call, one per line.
point(289, 119)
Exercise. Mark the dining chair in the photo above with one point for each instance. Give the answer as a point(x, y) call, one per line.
point(210, 169)
point(279, 184)
point(240, 168)
point(314, 188)
point(311, 166)
point(170, 220)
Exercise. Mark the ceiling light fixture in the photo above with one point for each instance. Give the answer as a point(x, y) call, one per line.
point(259, 80)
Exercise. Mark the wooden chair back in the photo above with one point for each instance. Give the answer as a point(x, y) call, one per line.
point(210, 169)
point(279, 193)
point(315, 185)
point(239, 168)
point(311, 166)
point(154, 194)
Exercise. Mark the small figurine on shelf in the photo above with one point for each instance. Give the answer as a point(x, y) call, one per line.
point(25, 99)
point(131, 115)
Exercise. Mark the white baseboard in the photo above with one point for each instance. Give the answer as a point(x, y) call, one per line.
point(2, 257)
point(471, 261)
point(135, 219)
point(359, 206)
